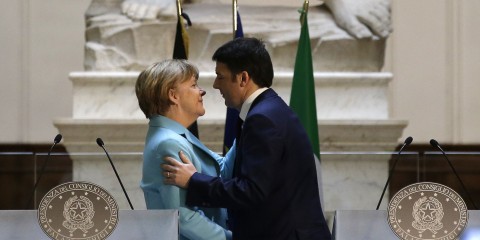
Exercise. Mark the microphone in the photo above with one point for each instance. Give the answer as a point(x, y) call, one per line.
point(407, 142)
point(101, 144)
point(435, 144)
point(56, 140)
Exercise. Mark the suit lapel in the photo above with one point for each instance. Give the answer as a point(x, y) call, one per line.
point(194, 141)
point(238, 144)
point(239, 155)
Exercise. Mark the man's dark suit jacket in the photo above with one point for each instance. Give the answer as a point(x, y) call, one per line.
point(273, 193)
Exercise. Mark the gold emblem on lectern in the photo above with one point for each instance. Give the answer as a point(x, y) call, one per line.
point(78, 210)
point(427, 210)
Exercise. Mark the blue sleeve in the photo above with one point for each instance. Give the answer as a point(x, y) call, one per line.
point(226, 163)
point(193, 223)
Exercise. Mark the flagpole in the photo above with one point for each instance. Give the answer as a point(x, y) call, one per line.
point(234, 17)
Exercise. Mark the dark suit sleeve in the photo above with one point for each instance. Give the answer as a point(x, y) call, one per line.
point(260, 151)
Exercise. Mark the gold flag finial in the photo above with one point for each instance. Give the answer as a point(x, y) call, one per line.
point(305, 6)
point(234, 15)
point(304, 11)
point(179, 8)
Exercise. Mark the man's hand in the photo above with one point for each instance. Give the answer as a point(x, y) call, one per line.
point(177, 173)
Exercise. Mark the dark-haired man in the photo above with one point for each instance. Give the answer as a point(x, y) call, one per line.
point(273, 193)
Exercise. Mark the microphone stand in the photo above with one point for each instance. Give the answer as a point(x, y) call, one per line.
point(434, 143)
point(101, 144)
point(57, 139)
point(407, 142)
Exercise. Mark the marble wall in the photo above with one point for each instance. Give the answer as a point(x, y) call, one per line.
point(432, 53)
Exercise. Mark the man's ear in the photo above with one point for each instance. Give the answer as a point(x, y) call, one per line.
point(244, 78)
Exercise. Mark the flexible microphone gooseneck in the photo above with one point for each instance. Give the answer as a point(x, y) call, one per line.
point(434, 143)
point(407, 142)
point(101, 144)
point(57, 139)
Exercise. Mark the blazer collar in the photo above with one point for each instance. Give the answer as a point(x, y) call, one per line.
point(248, 102)
point(164, 122)
point(266, 94)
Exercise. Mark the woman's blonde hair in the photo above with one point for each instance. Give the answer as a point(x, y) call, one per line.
point(155, 81)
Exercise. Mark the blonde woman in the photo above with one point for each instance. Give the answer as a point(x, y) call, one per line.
point(169, 96)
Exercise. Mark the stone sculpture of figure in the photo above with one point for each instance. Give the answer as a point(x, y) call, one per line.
point(360, 18)
point(134, 9)
point(122, 33)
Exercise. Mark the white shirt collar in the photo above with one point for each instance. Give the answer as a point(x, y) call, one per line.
point(248, 103)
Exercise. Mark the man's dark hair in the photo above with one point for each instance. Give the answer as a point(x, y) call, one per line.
point(247, 54)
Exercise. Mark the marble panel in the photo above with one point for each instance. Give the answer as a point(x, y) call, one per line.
point(339, 95)
point(95, 167)
point(353, 181)
point(103, 95)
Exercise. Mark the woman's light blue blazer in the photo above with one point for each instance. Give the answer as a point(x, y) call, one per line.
point(167, 137)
